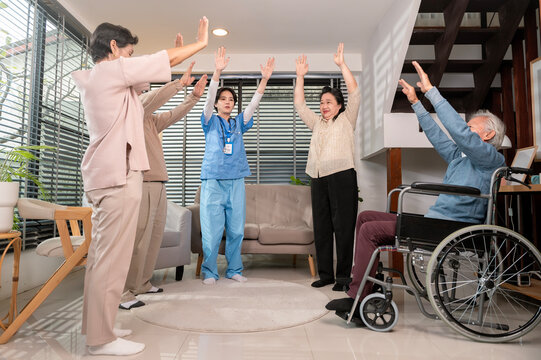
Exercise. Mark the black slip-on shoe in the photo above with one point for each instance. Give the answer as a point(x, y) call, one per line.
point(344, 304)
point(160, 290)
point(340, 287)
point(321, 283)
point(139, 303)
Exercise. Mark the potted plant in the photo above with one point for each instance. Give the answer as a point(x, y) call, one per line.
point(14, 164)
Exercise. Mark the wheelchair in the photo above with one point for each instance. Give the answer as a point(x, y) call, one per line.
point(472, 278)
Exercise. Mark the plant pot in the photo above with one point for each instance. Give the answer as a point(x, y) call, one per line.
point(9, 194)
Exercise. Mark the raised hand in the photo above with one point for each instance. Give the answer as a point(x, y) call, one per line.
point(409, 91)
point(179, 41)
point(301, 65)
point(424, 84)
point(181, 52)
point(203, 31)
point(220, 61)
point(187, 77)
point(199, 87)
point(339, 55)
point(266, 71)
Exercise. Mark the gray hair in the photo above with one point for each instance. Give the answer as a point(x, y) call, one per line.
point(493, 123)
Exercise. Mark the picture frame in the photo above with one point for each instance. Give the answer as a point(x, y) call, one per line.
point(535, 81)
point(523, 159)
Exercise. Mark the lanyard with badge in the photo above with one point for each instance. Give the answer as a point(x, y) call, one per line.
point(227, 137)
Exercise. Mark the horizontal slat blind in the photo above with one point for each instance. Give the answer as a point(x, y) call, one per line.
point(39, 104)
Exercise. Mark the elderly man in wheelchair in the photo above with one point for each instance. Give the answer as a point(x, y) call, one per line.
point(473, 273)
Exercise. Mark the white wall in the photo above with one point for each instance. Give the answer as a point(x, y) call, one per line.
point(417, 165)
point(421, 165)
point(382, 63)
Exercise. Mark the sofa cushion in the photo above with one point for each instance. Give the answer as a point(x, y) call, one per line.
point(280, 204)
point(171, 239)
point(53, 247)
point(270, 234)
point(251, 231)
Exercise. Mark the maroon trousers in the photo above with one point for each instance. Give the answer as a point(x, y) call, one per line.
point(374, 229)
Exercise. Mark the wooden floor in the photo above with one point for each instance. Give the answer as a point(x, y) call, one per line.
point(534, 290)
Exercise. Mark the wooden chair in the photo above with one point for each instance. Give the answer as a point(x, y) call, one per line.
point(74, 249)
point(14, 238)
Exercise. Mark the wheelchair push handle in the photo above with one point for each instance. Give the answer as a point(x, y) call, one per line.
point(519, 170)
point(507, 174)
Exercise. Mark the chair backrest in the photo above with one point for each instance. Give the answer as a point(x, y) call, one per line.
point(61, 215)
point(417, 231)
point(38, 209)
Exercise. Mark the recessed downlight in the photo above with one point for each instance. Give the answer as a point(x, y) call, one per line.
point(220, 32)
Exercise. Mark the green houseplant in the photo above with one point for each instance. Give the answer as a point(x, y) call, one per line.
point(14, 165)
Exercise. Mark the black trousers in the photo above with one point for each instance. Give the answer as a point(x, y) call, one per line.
point(334, 211)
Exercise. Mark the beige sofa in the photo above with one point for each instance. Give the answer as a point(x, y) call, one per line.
point(278, 221)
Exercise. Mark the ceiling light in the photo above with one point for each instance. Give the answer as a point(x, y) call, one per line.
point(220, 32)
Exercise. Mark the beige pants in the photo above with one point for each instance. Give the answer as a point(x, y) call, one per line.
point(148, 240)
point(114, 221)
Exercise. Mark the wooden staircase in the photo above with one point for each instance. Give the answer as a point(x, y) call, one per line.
point(494, 42)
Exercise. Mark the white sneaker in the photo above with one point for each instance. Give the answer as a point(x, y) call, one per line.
point(117, 347)
point(239, 278)
point(209, 281)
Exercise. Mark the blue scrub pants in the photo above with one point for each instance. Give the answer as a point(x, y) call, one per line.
point(222, 204)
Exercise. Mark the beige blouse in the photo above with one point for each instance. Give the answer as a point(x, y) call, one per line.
point(332, 143)
point(156, 123)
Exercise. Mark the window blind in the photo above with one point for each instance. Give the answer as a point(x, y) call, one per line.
point(39, 104)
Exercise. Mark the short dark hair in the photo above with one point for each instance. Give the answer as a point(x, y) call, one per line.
point(100, 42)
point(337, 95)
point(221, 90)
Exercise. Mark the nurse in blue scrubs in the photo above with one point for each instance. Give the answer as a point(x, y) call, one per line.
point(223, 199)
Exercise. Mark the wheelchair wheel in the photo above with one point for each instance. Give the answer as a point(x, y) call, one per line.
point(473, 277)
point(416, 264)
point(377, 313)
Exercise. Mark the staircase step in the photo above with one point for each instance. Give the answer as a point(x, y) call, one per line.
point(453, 66)
point(429, 35)
point(455, 97)
point(466, 35)
point(451, 91)
point(438, 6)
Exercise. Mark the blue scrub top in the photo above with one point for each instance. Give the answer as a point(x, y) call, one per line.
point(216, 164)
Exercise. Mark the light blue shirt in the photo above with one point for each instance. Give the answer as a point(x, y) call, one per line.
point(471, 160)
point(217, 164)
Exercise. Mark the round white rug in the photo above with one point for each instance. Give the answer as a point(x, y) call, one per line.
point(229, 306)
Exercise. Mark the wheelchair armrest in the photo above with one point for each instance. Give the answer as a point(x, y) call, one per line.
point(446, 188)
point(396, 189)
